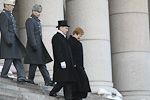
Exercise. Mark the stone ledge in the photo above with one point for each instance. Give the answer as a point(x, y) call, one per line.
point(13, 90)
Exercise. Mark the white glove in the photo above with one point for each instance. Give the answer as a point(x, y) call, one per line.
point(63, 64)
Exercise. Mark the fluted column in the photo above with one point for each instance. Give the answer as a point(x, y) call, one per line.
point(52, 12)
point(130, 48)
point(1, 5)
point(93, 17)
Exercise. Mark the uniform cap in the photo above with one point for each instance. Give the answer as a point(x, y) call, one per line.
point(37, 8)
point(9, 2)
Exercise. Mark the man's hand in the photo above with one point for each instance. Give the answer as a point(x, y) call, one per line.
point(75, 66)
point(34, 48)
point(9, 44)
point(63, 64)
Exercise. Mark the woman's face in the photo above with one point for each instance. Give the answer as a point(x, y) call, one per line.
point(78, 36)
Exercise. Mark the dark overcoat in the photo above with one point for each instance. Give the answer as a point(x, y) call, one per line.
point(82, 82)
point(34, 39)
point(8, 35)
point(62, 52)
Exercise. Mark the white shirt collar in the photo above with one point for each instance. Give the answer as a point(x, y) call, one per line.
point(62, 33)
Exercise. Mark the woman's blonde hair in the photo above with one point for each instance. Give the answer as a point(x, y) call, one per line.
point(78, 30)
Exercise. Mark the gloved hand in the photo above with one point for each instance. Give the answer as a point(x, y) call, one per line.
point(63, 64)
point(34, 48)
point(9, 43)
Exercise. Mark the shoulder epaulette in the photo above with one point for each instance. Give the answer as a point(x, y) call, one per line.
point(30, 17)
point(3, 11)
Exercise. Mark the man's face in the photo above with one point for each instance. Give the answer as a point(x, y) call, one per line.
point(9, 7)
point(37, 14)
point(64, 29)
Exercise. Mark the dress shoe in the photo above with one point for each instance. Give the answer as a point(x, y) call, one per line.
point(52, 94)
point(32, 82)
point(22, 79)
point(49, 83)
point(5, 77)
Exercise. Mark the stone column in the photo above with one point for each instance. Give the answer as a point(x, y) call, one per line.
point(52, 12)
point(130, 48)
point(1, 5)
point(149, 11)
point(93, 17)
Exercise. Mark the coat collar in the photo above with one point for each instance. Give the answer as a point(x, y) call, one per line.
point(8, 12)
point(61, 33)
point(73, 38)
point(36, 18)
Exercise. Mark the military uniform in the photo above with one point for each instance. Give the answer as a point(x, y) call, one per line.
point(39, 56)
point(11, 49)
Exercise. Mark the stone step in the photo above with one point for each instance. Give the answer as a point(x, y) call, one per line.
point(23, 91)
point(6, 97)
point(12, 90)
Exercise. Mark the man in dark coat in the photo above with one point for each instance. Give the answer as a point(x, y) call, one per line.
point(39, 56)
point(63, 65)
point(11, 49)
point(81, 87)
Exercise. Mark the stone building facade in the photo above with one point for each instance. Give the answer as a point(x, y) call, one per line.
point(116, 41)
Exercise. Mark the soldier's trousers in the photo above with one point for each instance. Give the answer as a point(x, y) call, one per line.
point(43, 71)
point(18, 65)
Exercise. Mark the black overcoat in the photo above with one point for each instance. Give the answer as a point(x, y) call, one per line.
point(82, 82)
point(62, 52)
point(34, 38)
point(8, 35)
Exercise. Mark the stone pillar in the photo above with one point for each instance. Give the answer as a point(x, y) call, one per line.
point(52, 12)
point(1, 5)
point(93, 17)
point(149, 11)
point(130, 48)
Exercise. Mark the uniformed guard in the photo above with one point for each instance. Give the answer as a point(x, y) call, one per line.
point(11, 49)
point(39, 56)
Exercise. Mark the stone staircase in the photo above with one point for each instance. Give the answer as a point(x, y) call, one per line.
point(13, 90)
point(10, 89)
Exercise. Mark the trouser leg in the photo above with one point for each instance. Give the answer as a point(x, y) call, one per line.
point(19, 67)
point(32, 70)
point(57, 88)
point(68, 91)
point(45, 73)
point(6, 67)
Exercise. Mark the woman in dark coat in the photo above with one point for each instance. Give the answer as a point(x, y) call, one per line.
point(81, 86)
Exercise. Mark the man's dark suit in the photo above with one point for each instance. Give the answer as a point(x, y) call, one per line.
point(63, 77)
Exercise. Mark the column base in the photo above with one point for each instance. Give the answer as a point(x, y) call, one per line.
point(101, 84)
point(136, 95)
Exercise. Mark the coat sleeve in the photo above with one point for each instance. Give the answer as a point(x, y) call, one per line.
point(57, 49)
point(4, 28)
point(30, 31)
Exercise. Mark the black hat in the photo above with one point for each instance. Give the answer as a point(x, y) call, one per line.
point(62, 23)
